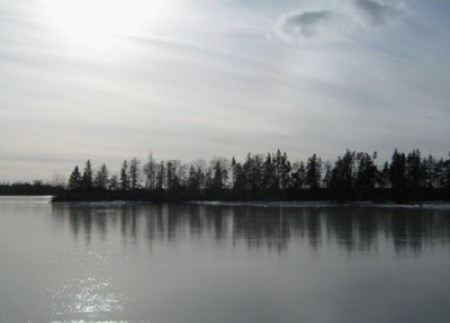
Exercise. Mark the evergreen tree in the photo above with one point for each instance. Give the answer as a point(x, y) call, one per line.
point(75, 179)
point(160, 177)
point(134, 173)
point(301, 175)
point(397, 175)
point(327, 178)
point(171, 177)
point(431, 172)
point(150, 172)
point(383, 177)
point(397, 170)
point(233, 171)
point(87, 176)
point(113, 183)
point(367, 173)
point(101, 178)
point(285, 172)
point(239, 178)
point(415, 172)
point(195, 179)
point(253, 169)
point(343, 177)
point(441, 171)
point(277, 160)
point(269, 174)
point(313, 172)
point(447, 166)
point(124, 180)
point(219, 174)
point(217, 181)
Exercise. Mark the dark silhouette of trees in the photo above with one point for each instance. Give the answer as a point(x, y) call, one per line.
point(101, 178)
point(124, 180)
point(134, 173)
point(173, 178)
point(113, 183)
point(298, 177)
point(367, 173)
point(36, 187)
point(343, 177)
point(397, 172)
point(160, 177)
point(87, 181)
point(313, 172)
point(75, 180)
point(447, 173)
point(196, 180)
point(415, 174)
point(353, 176)
point(150, 172)
point(269, 178)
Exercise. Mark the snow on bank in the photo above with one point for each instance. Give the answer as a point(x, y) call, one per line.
point(321, 204)
point(102, 203)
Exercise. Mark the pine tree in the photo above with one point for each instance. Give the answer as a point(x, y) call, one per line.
point(397, 175)
point(195, 179)
point(160, 177)
point(134, 173)
point(367, 173)
point(87, 181)
point(101, 178)
point(124, 180)
point(327, 178)
point(269, 176)
point(415, 172)
point(277, 160)
point(113, 183)
point(285, 172)
point(313, 172)
point(150, 172)
point(75, 179)
point(397, 170)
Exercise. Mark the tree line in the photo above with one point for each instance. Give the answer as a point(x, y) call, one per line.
point(352, 176)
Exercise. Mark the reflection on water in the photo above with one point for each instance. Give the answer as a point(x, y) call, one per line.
point(86, 295)
point(352, 229)
point(212, 263)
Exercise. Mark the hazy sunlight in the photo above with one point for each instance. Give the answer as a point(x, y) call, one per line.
point(99, 23)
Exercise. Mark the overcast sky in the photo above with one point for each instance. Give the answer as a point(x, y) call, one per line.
point(188, 79)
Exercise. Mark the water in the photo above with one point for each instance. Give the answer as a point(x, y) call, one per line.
point(193, 263)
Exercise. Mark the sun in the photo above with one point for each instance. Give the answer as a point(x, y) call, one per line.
point(100, 23)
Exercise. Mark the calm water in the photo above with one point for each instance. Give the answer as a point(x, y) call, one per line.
point(187, 263)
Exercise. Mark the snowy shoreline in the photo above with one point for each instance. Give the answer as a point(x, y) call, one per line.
point(444, 205)
point(320, 204)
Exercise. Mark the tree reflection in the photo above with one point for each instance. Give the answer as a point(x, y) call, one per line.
point(351, 229)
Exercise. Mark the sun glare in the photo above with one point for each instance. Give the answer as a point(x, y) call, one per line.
point(100, 23)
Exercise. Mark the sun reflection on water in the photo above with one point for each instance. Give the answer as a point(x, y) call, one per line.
point(87, 296)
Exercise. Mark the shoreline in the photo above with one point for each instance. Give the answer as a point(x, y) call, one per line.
point(437, 204)
point(267, 204)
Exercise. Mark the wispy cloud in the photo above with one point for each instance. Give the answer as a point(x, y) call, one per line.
point(308, 23)
point(312, 25)
point(330, 25)
point(377, 14)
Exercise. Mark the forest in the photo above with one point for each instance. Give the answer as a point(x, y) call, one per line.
point(353, 176)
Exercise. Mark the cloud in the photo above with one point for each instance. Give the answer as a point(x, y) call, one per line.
point(311, 25)
point(331, 25)
point(377, 14)
point(307, 24)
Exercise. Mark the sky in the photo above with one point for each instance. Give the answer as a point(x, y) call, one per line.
point(107, 80)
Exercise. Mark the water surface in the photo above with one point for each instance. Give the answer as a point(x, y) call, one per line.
point(213, 263)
